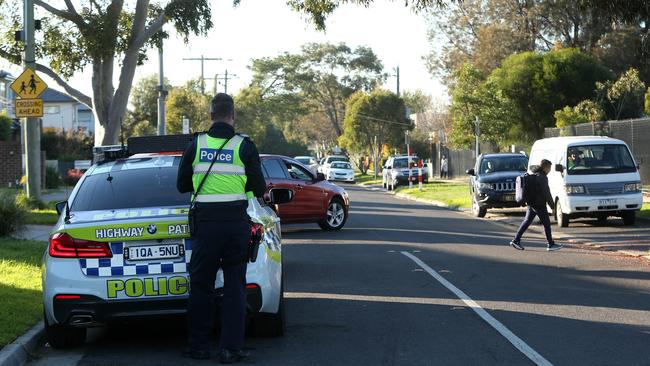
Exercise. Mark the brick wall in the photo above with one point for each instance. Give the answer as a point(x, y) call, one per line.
point(10, 163)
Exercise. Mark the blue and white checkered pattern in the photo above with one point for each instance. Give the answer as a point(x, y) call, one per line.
point(115, 266)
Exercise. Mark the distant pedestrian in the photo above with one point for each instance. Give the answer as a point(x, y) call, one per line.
point(444, 168)
point(539, 195)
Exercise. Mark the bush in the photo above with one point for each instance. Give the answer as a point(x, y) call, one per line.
point(71, 145)
point(12, 215)
point(5, 127)
point(52, 178)
point(29, 203)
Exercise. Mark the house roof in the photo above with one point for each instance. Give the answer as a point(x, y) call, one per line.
point(54, 96)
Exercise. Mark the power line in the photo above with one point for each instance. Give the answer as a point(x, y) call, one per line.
point(374, 119)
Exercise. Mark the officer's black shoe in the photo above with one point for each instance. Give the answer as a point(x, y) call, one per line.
point(196, 354)
point(232, 356)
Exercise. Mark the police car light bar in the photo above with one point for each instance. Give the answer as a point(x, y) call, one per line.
point(158, 144)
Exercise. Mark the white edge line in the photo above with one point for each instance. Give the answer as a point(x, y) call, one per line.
point(497, 325)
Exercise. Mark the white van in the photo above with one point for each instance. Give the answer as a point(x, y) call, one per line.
point(593, 176)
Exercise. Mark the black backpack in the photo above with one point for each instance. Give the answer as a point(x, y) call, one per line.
point(525, 188)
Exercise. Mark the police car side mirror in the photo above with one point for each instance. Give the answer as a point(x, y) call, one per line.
point(320, 177)
point(60, 207)
point(559, 168)
point(471, 172)
point(279, 196)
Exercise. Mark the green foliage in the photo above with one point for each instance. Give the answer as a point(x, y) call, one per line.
point(585, 111)
point(142, 118)
point(417, 101)
point(68, 145)
point(647, 102)
point(12, 214)
point(29, 203)
point(624, 96)
point(380, 114)
point(473, 95)
point(5, 127)
point(188, 101)
point(537, 84)
point(52, 178)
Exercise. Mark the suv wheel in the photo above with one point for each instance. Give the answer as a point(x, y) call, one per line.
point(602, 219)
point(478, 210)
point(562, 218)
point(629, 218)
point(336, 216)
point(64, 336)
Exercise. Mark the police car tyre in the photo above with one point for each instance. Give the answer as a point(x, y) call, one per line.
point(477, 210)
point(64, 336)
point(336, 216)
point(629, 218)
point(562, 218)
point(271, 325)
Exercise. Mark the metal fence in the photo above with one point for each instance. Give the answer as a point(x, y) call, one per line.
point(635, 132)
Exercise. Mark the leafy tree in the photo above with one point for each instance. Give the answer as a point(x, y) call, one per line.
point(323, 76)
point(379, 114)
point(97, 33)
point(5, 126)
point(625, 95)
point(585, 111)
point(417, 101)
point(473, 95)
point(647, 102)
point(142, 118)
point(188, 101)
point(538, 85)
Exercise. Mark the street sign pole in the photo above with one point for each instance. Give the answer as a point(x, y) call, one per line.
point(32, 133)
point(162, 93)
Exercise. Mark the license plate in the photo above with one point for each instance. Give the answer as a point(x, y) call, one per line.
point(608, 202)
point(509, 198)
point(147, 252)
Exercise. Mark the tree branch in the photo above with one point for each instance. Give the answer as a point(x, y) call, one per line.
point(74, 93)
point(67, 15)
point(151, 30)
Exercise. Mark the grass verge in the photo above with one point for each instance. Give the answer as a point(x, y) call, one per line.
point(645, 210)
point(41, 217)
point(367, 179)
point(450, 193)
point(20, 287)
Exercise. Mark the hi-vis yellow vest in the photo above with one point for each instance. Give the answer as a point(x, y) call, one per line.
point(226, 181)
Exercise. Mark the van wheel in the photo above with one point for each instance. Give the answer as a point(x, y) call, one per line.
point(383, 184)
point(629, 218)
point(602, 219)
point(64, 336)
point(477, 210)
point(561, 217)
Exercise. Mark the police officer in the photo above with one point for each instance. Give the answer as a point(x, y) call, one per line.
point(222, 229)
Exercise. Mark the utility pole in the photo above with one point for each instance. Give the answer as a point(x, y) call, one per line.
point(407, 139)
point(32, 131)
point(396, 69)
point(477, 124)
point(203, 59)
point(225, 78)
point(376, 157)
point(162, 93)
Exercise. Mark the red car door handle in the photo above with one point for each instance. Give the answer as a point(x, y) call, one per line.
point(299, 186)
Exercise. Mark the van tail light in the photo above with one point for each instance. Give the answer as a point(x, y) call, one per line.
point(63, 245)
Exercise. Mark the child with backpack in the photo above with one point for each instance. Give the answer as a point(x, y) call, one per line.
point(533, 190)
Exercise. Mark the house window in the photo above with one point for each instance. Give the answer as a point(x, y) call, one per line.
point(53, 109)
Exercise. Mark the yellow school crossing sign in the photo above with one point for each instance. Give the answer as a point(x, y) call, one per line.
point(28, 85)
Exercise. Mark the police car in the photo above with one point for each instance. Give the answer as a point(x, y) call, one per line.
point(121, 247)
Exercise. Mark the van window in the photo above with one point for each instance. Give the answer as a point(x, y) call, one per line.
point(599, 159)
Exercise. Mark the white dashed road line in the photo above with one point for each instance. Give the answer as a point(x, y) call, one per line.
point(497, 325)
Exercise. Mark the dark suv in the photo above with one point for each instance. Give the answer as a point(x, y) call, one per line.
point(492, 181)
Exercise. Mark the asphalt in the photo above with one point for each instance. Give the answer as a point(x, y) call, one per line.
point(353, 298)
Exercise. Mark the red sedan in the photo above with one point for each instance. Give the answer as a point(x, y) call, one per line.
point(315, 199)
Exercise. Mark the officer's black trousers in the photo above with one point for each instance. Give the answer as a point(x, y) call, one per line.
point(218, 244)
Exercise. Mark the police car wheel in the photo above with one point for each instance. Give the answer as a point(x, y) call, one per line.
point(336, 216)
point(271, 325)
point(64, 336)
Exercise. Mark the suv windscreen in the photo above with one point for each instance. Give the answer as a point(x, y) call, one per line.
point(599, 159)
point(306, 161)
point(336, 158)
point(121, 187)
point(503, 164)
point(403, 163)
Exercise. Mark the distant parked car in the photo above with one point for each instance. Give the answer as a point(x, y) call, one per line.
point(308, 161)
point(329, 159)
point(492, 181)
point(340, 171)
point(396, 171)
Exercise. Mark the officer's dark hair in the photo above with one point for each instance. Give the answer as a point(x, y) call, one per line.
point(221, 106)
point(545, 163)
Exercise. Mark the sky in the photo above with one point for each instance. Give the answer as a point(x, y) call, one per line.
point(266, 28)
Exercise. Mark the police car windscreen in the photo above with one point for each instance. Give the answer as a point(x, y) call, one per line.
point(131, 187)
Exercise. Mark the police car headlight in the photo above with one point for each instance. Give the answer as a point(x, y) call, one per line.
point(633, 187)
point(575, 189)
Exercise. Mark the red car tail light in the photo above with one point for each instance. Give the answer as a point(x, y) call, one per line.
point(63, 245)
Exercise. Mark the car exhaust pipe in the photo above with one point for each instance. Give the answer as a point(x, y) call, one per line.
point(81, 320)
